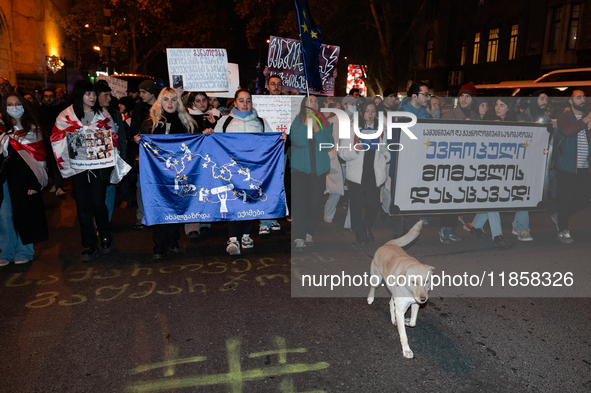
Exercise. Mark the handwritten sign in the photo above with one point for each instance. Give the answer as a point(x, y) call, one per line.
point(198, 69)
point(279, 111)
point(285, 60)
point(118, 86)
point(233, 82)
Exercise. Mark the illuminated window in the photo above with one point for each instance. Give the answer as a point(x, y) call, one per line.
point(463, 55)
point(555, 28)
point(493, 45)
point(476, 48)
point(429, 55)
point(575, 13)
point(513, 42)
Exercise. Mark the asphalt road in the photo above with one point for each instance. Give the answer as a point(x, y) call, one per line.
point(202, 321)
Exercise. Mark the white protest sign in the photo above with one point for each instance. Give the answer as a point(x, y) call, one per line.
point(279, 111)
point(118, 86)
point(472, 166)
point(198, 69)
point(233, 82)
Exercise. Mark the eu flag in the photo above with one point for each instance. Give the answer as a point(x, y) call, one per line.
point(218, 177)
point(311, 40)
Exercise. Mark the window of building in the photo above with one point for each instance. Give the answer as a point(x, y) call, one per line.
point(429, 55)
point(493, 45)
point(476, 48)
point(555, 28)
point(513, 42)
point(575, 13)
point(463, 55)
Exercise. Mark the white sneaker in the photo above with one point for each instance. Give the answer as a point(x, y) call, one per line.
point(309, 242)
point(4, 262)
point(247, 242)
point(275, 226)
point(299, 245)
point(263, 230)
point(525, 237)
point(233, 246)
point(565, 238)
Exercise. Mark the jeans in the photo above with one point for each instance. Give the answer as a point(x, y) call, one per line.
point(521, 222)
point(494, 220)
point(110, 199)
point(330, 208)
point(11, 246)
point(90, 191)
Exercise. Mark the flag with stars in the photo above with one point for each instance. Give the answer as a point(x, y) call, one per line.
point(311, 40)
point(218, 177)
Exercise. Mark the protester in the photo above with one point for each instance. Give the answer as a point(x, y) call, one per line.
point(104, 98)
point(365, 170)
point(198, 107)
point(22, 176)
point(572, 163)
point(148, 91)
point(481, 109)
point(50, 109)
point(90, 185)
point(167, 116)
point(243, 119)
point(335, 178)
point(309, 166)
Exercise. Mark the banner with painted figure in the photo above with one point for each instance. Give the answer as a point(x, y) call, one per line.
point(467, 166)
point(198, 69)
point(217, 177)
point(279, 111)
point(285, 59)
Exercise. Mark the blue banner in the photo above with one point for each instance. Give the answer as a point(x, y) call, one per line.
point(219, 177)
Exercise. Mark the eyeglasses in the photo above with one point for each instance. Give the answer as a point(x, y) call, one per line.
point(425, 94)
point(276, 84)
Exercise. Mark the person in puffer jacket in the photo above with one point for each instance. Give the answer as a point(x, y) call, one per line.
point(243, 118)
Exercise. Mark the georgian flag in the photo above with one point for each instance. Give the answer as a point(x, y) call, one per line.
point(30, 147)
point(68, 122)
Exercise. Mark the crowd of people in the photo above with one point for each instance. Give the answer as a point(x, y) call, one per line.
point(33, 149)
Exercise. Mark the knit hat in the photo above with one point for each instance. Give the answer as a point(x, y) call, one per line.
point(468, 88)
point(481, 100)
point(388, 91)
point(149, 86)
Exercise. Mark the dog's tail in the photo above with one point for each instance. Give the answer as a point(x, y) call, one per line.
point(409, 237)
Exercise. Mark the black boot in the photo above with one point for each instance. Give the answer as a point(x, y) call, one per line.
point(360, 237)
point(368, 234)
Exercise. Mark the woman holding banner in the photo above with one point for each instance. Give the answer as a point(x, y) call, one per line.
point(365, 171)
point(83, 117)
point(22, 176)
point(243, 118)
point(309, 166)
point(167, 116)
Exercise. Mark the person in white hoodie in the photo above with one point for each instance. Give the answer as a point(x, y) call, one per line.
point(365, 171)
point(243, 118)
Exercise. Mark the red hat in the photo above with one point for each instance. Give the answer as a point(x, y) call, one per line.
point(468, 88)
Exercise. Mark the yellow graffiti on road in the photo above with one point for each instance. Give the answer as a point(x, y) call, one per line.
point(236, 377)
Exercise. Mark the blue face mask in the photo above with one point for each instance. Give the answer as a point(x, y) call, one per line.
point(15, 111)
point(352, 108)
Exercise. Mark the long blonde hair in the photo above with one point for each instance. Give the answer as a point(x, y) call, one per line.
point(158, 119)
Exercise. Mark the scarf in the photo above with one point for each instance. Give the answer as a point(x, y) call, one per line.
point(240, 114)
point(31, 149)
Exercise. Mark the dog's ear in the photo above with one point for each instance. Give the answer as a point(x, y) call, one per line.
point(431, 267)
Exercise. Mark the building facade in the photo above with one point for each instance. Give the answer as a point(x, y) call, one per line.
point(29, 34)
point(486, 41)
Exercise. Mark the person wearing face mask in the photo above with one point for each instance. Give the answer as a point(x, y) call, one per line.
point(435, 108)
point(365, 170)
point(22, 176)
point(90, 185)
point(167, 116)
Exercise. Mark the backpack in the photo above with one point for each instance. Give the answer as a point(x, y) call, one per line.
point(230, 118)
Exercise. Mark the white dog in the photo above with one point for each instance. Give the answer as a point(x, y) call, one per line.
point(406, 278)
